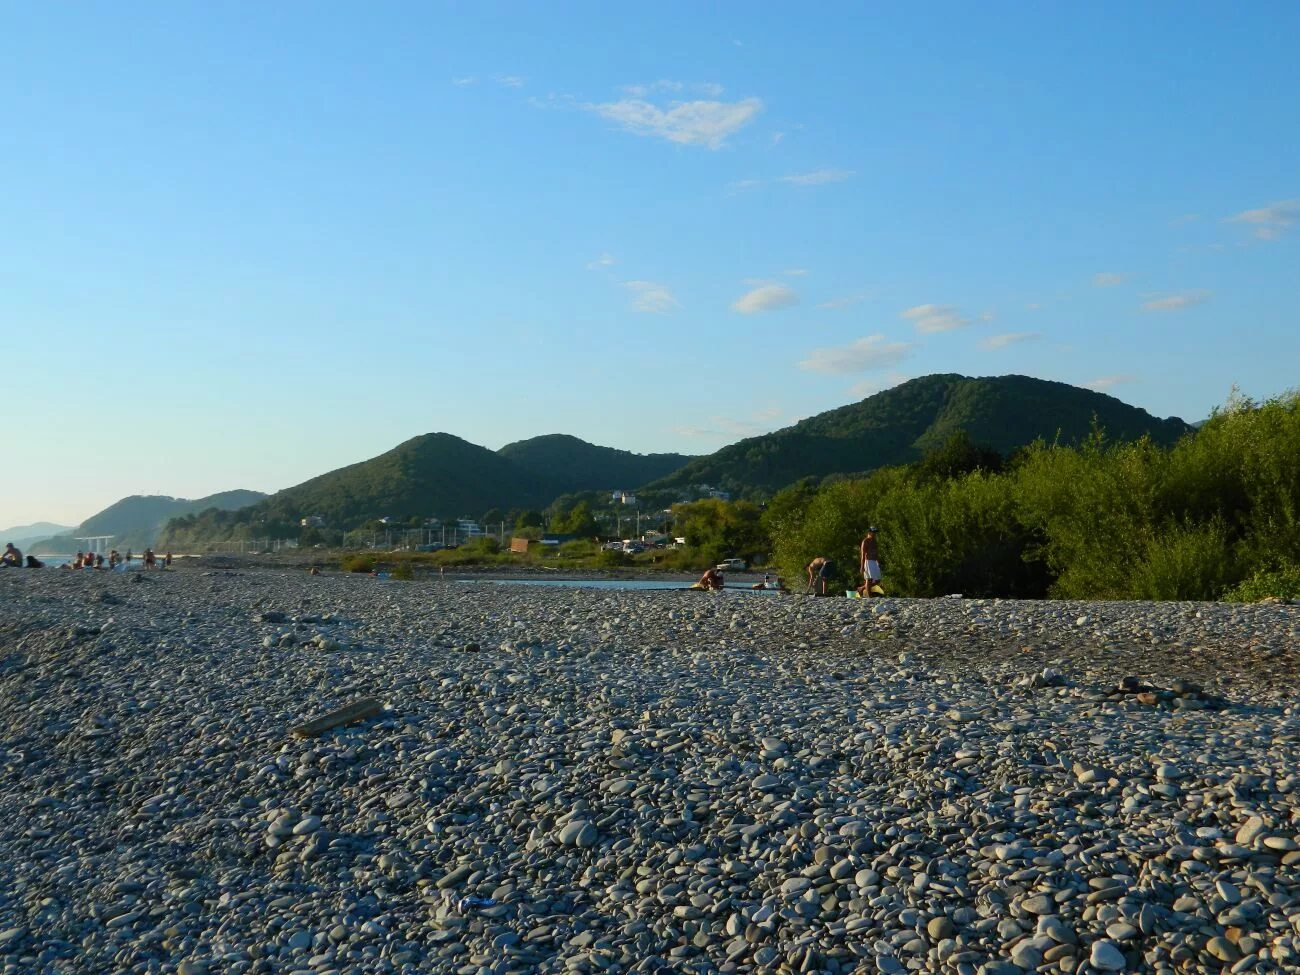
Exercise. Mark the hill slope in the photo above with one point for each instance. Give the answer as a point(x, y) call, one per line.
point(570, 464)
point(138, 520)
point(899, 425)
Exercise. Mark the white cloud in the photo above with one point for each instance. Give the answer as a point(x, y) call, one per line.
point(1106, 382)
point(935, 318)
point(462, 82)
point(651, 297)
point(795, 272)
point(818, 176)
point(844, 302)
point(1008, 338)
point(1109, 279)
point(743, 185)
point(703, 123)
point(510, 81)
point(1176, 302)
point(605, 260)
point(870, 352)
point(767, 297)
point(1272, 221)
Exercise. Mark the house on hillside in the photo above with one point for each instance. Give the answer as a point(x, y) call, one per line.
point(312, 521)
point(623, 497)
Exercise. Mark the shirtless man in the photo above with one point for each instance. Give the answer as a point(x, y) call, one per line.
point(712, 579)
point(870, 562)
point(818, 569)
point(12, 557)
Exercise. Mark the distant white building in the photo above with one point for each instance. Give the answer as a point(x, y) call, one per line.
point(469, 527)
point(623, 497)
point(312, 521)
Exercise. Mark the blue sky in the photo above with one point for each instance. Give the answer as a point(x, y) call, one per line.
point(242, 244)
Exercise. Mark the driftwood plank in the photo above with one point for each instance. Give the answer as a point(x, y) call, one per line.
point(358, 710)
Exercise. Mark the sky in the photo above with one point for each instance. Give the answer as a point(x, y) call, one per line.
point(242, 244)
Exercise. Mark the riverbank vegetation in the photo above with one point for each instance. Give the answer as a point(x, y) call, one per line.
point(1217, 515)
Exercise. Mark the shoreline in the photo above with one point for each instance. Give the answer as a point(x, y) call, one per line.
point(619, 780)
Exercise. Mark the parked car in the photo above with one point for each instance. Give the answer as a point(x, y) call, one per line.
point(612, 547)
point(731, 565)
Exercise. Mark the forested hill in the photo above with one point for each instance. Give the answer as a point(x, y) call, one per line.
point(570, 464)
point(435, 474)
point(899, 425)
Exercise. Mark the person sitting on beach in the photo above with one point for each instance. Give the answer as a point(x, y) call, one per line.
point(79, 561)
point(765, 584)
point(12, 557)
point(819, 569)
point(113, 559)
point(99, 561)
point(712, 579)
point(34, 563)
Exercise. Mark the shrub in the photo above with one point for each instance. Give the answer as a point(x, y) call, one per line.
point(1280, 582)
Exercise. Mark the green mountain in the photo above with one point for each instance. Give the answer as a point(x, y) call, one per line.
point(569, 464)
point(436, 474)
point(900, 425)
point(137, 521)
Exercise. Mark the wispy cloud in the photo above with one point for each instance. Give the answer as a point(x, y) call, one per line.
point(994, 342)
point(725, 426)
point(1107, 382)
point(700, 123)
point(935, 318)
point(767, 297)
point(1109, 279)
point(868, 387)
point(795, 272)
point(664, 85)
point(862, 355)
point(1272, 221)
point(510, 81)
point(1176, 302)
point(845, 302)
point(649, 296)
point(463, 82)
point(605, 260)
point(817, 177)
point(743, 186)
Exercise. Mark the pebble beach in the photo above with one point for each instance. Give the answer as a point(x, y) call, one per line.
point(583, 781)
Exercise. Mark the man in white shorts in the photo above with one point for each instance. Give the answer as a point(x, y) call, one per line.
point(870, 559)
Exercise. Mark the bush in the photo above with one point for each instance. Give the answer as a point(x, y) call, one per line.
point(1279, 582)
point(358, 562)
point(402, 570)
point(613, 560)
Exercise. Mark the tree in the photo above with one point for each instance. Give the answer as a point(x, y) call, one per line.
point(578, 520)
point(529, 519)
point(493, 516)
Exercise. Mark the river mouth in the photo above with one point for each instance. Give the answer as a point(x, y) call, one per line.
point(644, 584)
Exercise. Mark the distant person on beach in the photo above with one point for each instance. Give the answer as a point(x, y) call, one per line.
point(167, 560)
point(12, 557)
point(79, 561)
point(128, 556)
point(149, 560)
point(712, 579)
point(870, 558)
point(34, 563)
point(818, 571)
point(99, 561)
point(113, 559)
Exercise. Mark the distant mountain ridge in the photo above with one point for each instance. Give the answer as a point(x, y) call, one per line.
point(899, 425)
point(136, 521)
point(571, 464)
point(441, 475)
point(24, 535)
point(438, 475)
